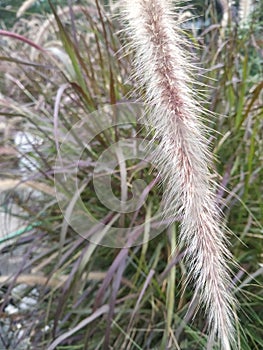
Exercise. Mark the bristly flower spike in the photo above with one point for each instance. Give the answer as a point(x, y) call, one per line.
point(162, 69)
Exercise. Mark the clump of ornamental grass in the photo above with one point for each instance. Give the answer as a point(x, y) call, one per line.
point(94, 297)
point(161, 67)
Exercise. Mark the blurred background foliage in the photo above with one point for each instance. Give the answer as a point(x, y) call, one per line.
point(8, 9)
point(58, 63)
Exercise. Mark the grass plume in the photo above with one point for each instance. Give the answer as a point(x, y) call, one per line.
point(162, 68)
point(245, 9)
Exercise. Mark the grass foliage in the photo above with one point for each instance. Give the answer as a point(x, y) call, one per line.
point(54, 71)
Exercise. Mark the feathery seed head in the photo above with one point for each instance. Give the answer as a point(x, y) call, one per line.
point(161, 67)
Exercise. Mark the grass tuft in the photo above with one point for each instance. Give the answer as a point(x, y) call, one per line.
point(57, 68)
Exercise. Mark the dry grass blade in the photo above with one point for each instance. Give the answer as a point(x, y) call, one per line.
point(32, 280)
point(102, 310)
point(9, 184)
point(54, 281)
